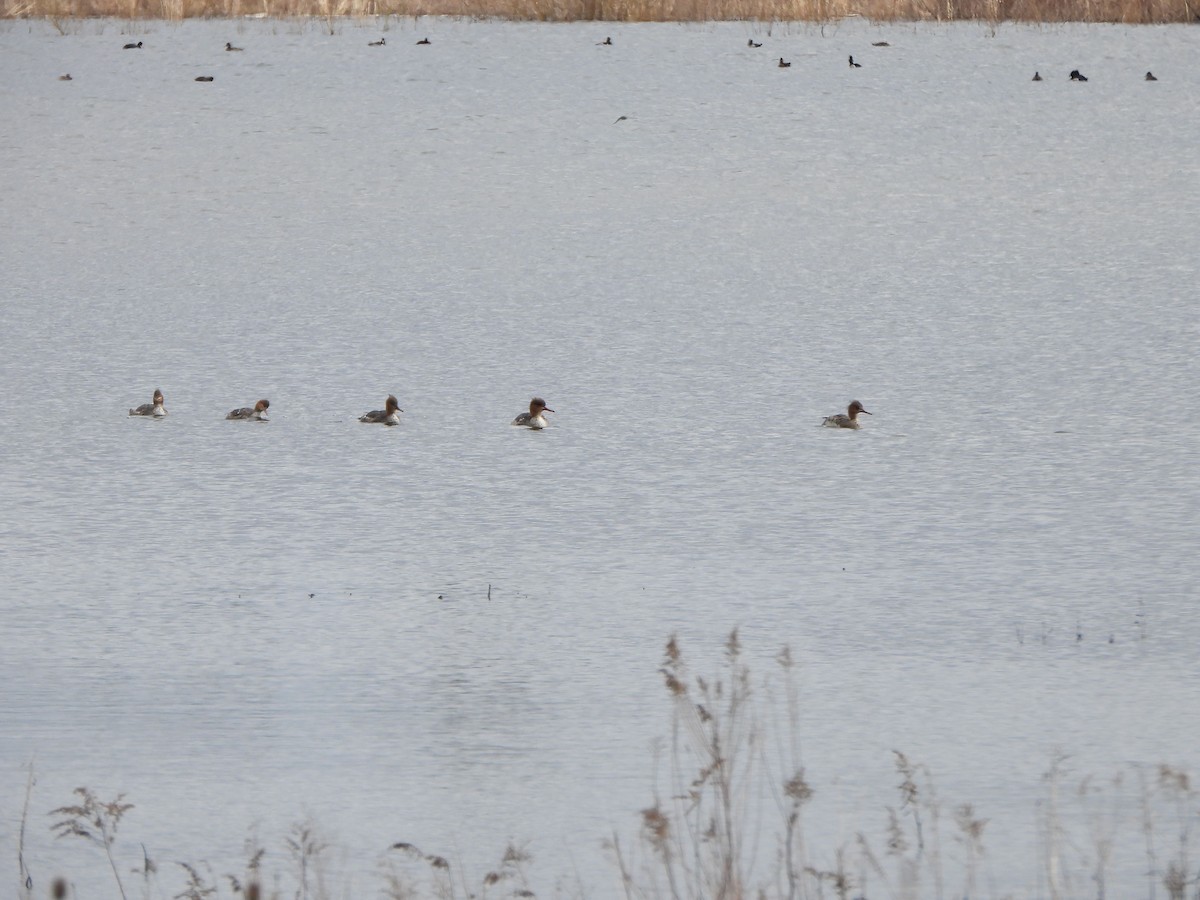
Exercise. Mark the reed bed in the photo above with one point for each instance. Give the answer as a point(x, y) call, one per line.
point(765, 11)
point(730, 820)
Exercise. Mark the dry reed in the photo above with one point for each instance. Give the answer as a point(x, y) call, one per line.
point(59, 12)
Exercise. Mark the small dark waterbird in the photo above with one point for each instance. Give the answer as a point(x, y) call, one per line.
point(783, 64)
point(1077, 76)
point(753, 43)
point(1037, 76)
point(137, 46)
point(232, 49)
point(1150, 77)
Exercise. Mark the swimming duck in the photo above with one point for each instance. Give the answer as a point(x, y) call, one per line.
point(68, 77)
point(424, 41)
point(534, 418)
point(854, 65)
point(881, 44)
point(232, 49)
point(848, 419)
point(752, 43)
point(1037, 76)
point(155, 409)
point(1149, 77)
point(246, 414)
point(204, 78)
point(379, 43)
point(137, 46)
point(1076, 76)
point(784, 65)
point(388, 416)
point(607, 42)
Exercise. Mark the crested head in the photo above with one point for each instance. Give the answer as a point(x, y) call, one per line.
point(392, 405)
point(538, 405)
point(262, 405)
point(855, 408)
point(158, 397)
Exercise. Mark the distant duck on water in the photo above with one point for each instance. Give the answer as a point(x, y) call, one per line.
point(424, 42)
point(66, 77)
point(247, 414)
point(1037, 76)
point(155, 408)
point(1077, 76)
point(784, 65)
point(229, 48)
point(390, 415)
point(1149, 77)
point(607, 42)
point(379, 43)
point(848, 419)
point(534, 418)
point(752, 43)
point(204, 78)
point(137, 46)
point(854, 65)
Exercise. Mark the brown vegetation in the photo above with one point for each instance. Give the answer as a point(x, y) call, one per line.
point(767, 11)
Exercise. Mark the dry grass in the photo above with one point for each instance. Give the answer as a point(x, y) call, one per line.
point(729, 820)
point(820, 11)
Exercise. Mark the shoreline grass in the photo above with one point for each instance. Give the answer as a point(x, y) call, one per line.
point(732, 817)
point(766, 12)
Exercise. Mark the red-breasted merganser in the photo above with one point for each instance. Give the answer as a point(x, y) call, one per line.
point(534, 418)
point(155, 409)
point(246, 414)
point(848, 419)
point(389, 416)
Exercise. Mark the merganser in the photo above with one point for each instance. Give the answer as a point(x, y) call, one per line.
point(1076, 76)
point(607, 42)
point(232, 49)
point(204, 78)
point(1037, 76)
point(534, 418)
point(752, 43)
point(854, 65)
point(424, 42)
point(155, 409)
point(389, 416)
point(67, 77)
point(1150, 77)
point(848, 419)
point(784, 65)
point(137, 46)
point(379, 43)
point(246, 414)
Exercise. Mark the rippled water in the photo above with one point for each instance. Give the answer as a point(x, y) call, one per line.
point(448, 632)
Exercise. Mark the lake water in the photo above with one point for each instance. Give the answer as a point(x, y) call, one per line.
point(449, 632)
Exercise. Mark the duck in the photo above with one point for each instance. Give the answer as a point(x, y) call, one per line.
point(66, 77)
point(155, 409)
point(1149, 77)
point(752, 43)
point(881, 44)
point(137, 46)
point(854, 65)
point(848, 419)
point(534, 418)
point(1076, 76)
point(204, 78)
point(246, 414)
point(232, 49)
point(388, 416)
point(607, 42)
point(1037, 76)
point(379, 43)
point(423, 42)
point(784, 65)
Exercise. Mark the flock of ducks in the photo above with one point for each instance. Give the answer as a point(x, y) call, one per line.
point(535, 418)
point(390, 414)
point(1075, 74)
